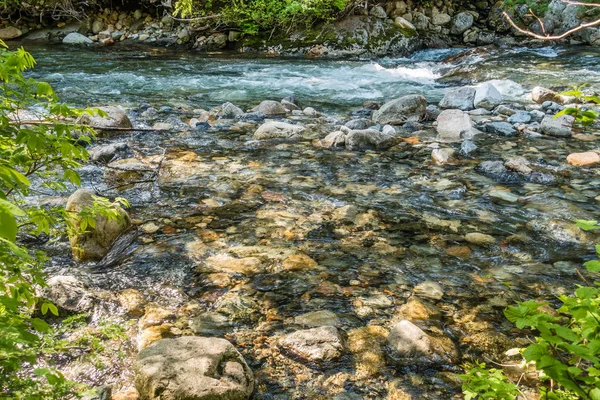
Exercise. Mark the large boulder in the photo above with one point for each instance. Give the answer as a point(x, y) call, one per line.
point(454, 124)
point(115, 118)
point(277, 130)
point(10, 33)
point(558, 127)
point(487, 96)
point(461, 98)
point(95, 242)
point(192, 368)
point(318, 344)
point(408, 108)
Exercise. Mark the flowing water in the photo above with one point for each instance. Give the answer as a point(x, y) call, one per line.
point(219, 194)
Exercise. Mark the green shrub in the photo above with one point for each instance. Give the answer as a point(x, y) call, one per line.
point(566, 351)
point(252, 16)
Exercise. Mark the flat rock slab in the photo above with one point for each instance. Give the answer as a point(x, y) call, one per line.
point(192, 368)
point(317, 344)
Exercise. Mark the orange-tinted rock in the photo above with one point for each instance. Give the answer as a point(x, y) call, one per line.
point(586, 159)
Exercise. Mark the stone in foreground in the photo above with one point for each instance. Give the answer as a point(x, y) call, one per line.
point(192, 368)
point(95, 243)
point(586, 159)
point(408, 108)
point(558, 127)
point(317, 344)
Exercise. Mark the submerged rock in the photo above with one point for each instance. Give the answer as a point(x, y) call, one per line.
point(500, 128)
point(95, 243)
point(278, 130)
point(404, 109)
point(318, 344)
point(318, 318)
point(192, 368)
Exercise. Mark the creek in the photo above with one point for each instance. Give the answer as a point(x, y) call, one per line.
point(220, 195)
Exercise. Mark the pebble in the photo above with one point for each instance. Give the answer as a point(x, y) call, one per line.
point(480, 239)
point(586, 159)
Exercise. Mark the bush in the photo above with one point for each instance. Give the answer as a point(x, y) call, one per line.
point(566, 351)
point(252, 16)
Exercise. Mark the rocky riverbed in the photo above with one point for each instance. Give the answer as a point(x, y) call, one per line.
point(290, 248)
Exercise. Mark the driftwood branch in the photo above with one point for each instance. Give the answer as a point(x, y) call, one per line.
point(553, 37)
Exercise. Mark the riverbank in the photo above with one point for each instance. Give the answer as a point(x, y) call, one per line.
point(391, 29)
point(311, 231)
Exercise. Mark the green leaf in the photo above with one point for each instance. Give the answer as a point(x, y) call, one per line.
point(592, 266)
point(40, 325)
point(535, 352)
point(8, 223)
point(587, 225)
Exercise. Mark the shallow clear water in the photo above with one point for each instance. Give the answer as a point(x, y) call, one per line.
point(221, 193)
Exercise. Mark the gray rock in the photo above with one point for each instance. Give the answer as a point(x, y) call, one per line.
point(499, 128)
point(429, 290)
point(487, 96)
point(462, 21)
point(518, 164)
point(500, 196)
point(389, 130)
point(461, 98)
point(310, 112)
point(318, 318)
point(398, 111)
point(289, 105)
point(440, 19)
point(442, 156)
point(480, 239)
point(358, 124)
point(228, 110)
point(504, 110)
point(10, 33)
point(334, 139)
point(127, 172)
point(116, 118)
point(454, 124)
point(278, 130)
point(378, 12)
point(433, 112)
point(537, 115)
point(520, 117)
point(558, 127)
point(95, 243)
point(408, 342)
point(270, 108)
point(69, 294)
point(97, 27)
point(467, 147)
point(195, 368)
point(318, 344)
point(404, 25)
point(560, 232)
point(76, 38)
point(107, 153)
point(210, 324)
point(369, 138)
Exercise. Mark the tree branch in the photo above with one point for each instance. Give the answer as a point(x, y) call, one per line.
point(551, 37)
